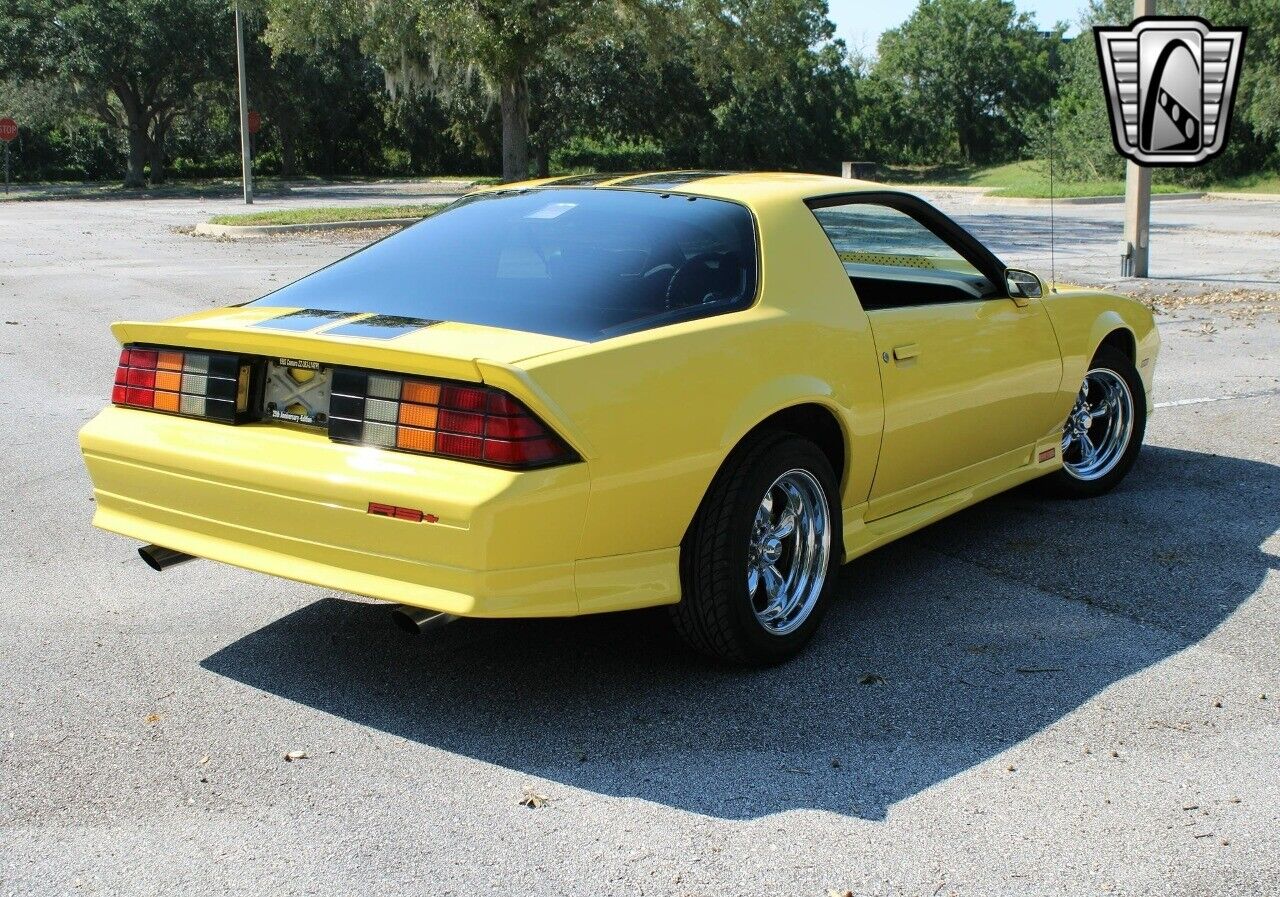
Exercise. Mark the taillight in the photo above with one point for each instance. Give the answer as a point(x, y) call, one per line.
point(210, 385)
point(477, 423)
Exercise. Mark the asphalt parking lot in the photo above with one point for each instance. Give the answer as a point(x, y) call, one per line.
point(1031, 697)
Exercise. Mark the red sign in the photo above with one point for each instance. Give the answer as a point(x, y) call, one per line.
point(8, 129)
point(255, 122)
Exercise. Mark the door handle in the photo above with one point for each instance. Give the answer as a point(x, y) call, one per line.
point(902, 353)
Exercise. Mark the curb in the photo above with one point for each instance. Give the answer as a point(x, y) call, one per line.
point(1085, 200)
point(1245, 197)
point(237, 231)
point(939, 188)
point(993, 194)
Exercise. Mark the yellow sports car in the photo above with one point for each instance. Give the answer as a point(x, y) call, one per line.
point(590, 394)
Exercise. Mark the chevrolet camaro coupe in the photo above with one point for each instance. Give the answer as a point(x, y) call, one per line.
point(590, 394)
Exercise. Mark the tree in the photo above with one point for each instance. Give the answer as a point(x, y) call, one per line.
point(132, 63)
point(779, 85)
point(443, 45)
point(973, 69)
point(1081, 142)
point(604, 104)
point(58, 140)
point(1259, 100)
point(508, 42)
point(324, 108)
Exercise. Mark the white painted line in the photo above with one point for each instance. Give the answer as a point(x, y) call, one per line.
point(1179, 402)
point(1204, 400)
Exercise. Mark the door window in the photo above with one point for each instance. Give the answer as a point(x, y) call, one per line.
point(894, 260)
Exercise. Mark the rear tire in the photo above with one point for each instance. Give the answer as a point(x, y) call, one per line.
point(1104, 431)
point(759, 562)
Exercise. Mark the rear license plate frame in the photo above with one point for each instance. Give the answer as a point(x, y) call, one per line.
point(287, 398)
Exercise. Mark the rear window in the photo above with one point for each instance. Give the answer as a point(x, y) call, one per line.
point(584, 264)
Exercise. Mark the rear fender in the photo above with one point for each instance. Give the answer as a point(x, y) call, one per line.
point(518, 382)
point(779, 395)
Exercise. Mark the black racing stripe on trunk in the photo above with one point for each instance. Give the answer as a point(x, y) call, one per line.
point(380, 327)
point(306, 319)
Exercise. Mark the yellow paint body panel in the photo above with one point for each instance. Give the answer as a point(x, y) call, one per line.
point(939, 406)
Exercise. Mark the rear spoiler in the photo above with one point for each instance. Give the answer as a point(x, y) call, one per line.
point(402, 357)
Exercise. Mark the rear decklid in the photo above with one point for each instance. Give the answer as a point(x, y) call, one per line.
point(396, 495)
point(380, 342)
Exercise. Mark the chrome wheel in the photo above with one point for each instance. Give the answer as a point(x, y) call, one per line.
point(1099, 427)
point(788, 552)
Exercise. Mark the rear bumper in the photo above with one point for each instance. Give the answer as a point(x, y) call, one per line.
point(293, 504)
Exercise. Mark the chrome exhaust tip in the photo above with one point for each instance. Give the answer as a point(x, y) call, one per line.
point(157, 557)
point(417, 620)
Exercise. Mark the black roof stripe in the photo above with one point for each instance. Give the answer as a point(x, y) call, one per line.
point(584, 180)
point(669, 179)
point(653, 179)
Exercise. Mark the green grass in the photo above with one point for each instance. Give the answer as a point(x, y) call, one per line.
point(1019, 179)
point(174, 188)
point(1031, 179)
point(1259, 182)
point(327, 215)
point(211, 187)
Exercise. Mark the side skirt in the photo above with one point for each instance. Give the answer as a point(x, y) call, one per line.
point(861, 537)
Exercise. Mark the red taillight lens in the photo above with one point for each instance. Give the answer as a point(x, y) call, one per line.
point(476, 423)
point(197, 384)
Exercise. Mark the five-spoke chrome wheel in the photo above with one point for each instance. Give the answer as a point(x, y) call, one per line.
point(788, 551)
point(1099, 427)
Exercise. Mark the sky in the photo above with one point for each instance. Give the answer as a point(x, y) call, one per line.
point(860, 22)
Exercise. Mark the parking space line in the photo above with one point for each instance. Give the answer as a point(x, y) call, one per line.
point(1204, 400)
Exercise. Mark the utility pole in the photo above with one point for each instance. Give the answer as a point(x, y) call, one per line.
point(246, 160)
point(1137, 196)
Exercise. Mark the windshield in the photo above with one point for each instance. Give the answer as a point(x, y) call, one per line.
point(579, 263)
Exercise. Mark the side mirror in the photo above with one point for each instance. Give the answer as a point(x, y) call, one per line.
point(1022, 285)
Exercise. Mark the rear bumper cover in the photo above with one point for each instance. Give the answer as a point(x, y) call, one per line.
point(293, 504)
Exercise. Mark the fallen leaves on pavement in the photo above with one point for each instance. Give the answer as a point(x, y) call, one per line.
point(532, 799)
point(1245, 304)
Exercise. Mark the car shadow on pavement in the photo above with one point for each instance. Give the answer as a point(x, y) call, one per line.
point(943, 650)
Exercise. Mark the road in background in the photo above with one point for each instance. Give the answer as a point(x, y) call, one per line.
point(1030, 697)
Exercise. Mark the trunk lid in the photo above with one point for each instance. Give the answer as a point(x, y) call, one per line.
point(440, 349)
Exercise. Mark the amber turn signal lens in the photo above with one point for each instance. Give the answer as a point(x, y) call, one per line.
point(469, 422)
point(196, 384)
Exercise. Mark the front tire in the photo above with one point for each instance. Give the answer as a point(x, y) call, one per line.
point(1104, 431)
point(758, 564)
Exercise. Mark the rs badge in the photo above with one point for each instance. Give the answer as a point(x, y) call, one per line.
point(1170, 83)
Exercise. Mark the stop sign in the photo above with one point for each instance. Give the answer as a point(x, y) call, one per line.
point(255, 122)
point(8, 129)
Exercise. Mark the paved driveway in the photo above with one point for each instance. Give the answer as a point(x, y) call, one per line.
point(1031, 697)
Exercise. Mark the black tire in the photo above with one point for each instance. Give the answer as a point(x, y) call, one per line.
point(715, 614)
point(1063, 483)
